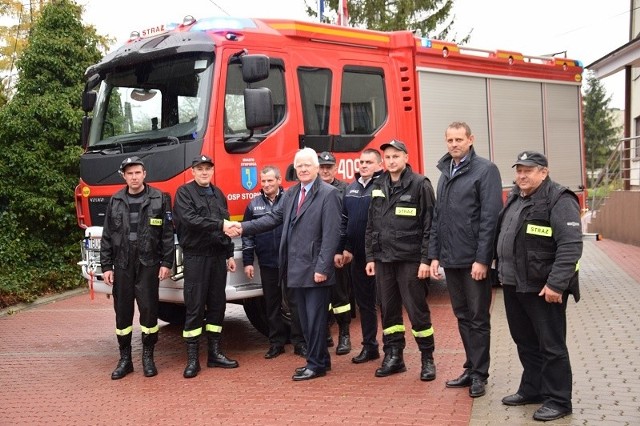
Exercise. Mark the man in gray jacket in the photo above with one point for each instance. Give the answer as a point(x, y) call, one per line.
point(311, 214)
point(468, 203)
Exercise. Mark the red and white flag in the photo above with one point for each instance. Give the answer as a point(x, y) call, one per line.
point(343, 13)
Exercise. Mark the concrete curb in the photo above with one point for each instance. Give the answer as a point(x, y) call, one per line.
point(42, 301)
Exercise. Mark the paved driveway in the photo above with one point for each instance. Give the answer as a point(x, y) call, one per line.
point(56, 360)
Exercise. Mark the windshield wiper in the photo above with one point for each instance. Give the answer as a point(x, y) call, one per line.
point(104, 147)
point(140, 143)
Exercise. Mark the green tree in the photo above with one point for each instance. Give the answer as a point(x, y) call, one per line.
point(39, 152)
point(600, 133)
point(430, 18)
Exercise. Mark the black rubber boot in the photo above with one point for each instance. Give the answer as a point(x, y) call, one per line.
point(428, 371)
point(193, 362)
point(125, 365)
point(216, 357)
point(392, 363)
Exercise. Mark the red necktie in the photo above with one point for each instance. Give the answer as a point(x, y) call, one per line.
point(302, 192)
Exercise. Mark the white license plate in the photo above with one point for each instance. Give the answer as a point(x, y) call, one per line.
point(93, 244)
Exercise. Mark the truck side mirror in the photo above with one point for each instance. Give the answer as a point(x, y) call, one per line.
point(84, 131)
point(89, 100)
point(258, 108)
point(254, 68)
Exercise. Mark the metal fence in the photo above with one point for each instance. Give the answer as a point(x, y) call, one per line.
point(620, 172)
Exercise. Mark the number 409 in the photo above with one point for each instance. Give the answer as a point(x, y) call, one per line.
point(348, 167)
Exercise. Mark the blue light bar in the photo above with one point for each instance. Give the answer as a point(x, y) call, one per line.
point(222, 23)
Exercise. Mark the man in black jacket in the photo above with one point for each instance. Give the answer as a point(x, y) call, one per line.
point(355, 209)
point(461, 241)
point(396, 247)
point(539, 245)
point(136, 252)
point(341, 291)
point(201, 216)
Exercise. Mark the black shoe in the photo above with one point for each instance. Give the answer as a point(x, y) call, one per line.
point(193, 360)
point(330, 341)
point(274, 351)
point(477, 387)
point(365, 355)
point(517, 399)
point(301, 350)
point(392, 363)
point(192, 369)
point(307, 374)
point(545, 414)
point(148, 364)
point(428, 371)
point(461, 382)
point(344, 345)
point(124, 367)
point(216, 358)
point(301, 369)
point(221, 360)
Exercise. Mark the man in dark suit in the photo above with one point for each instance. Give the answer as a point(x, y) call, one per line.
point(311, 214)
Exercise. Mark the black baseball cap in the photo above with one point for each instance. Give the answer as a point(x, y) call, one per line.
point(201, 159)
point(400, 146)
point(130, 161)
point(326, 157)
point(531, 158)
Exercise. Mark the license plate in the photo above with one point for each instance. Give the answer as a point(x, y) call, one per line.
point(92, 243)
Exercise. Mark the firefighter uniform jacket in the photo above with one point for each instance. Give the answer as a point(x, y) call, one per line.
point(155, 231)
point(548, 242)
point(355, 209)
point(199, 221)
point(399, 219)
point(266, 244)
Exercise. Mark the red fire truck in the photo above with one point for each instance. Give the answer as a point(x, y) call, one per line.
point(250, 93)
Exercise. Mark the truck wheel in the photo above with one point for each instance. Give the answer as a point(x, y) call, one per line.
point(256, 311)
point(173, 313)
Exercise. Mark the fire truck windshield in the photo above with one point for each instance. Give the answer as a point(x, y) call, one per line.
point(164, 99)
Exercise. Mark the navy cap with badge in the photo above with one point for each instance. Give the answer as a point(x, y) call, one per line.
point(326, 157)
point(400, 146)
point(201, 159)
point(530, 159)
point(130, 161)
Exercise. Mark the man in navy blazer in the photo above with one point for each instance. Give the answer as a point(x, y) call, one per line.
point(311, 215)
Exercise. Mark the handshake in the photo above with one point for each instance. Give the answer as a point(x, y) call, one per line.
point(232, 228)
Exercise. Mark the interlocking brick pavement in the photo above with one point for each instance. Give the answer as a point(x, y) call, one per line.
point(56, 360)
point(604, 346)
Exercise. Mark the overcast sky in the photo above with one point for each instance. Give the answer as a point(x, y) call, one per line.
point(586, 29)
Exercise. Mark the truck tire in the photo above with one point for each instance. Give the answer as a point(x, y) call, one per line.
point(256, 311)
point(173, 313)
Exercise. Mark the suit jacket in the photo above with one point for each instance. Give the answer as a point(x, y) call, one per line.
point(309, 238)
